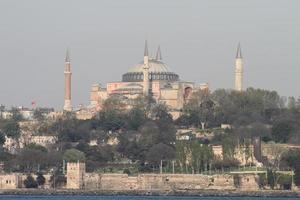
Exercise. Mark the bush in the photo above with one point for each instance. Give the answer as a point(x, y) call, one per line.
point(285, 181)
point(40, 179)
point(29, 182)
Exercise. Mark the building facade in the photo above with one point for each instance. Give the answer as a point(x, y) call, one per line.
point(151, 77)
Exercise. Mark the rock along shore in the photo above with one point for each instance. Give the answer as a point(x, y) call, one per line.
point(199, 193)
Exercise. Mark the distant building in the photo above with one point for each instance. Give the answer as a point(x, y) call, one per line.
point(151, 77)
point(10, 181)
point(43, 140)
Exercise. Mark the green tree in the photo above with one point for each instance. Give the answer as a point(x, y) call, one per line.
point(40, 179)
point(292, 160)
point(74, 155)
point(38, 115)
point(200, 109)
point(281, 131)
point(37, 147)
point(271, 178)
point(16, 115)
point(29, 182)
point(12, 129)
point(2, 139)
point(136, 118)
point(160, 152)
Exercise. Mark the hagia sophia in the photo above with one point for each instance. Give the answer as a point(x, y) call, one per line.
point(150, 77)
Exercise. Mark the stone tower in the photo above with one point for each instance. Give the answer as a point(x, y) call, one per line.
point(68, 74)
point(146, 82)
point(239, 69)
point(75, 175)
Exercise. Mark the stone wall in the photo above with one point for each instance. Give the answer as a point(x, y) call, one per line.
point(158, 182)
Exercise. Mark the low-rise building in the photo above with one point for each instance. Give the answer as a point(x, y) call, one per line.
point(43, 140)
point(10, 181)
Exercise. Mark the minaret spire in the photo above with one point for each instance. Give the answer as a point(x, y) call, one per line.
point(68, 74)
point(239, 51)
point(239, 69)
point(146, 82)
point(67, 59)
point(146, 52)
point(158, 54)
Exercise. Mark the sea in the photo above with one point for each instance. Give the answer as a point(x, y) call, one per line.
point(134, 198)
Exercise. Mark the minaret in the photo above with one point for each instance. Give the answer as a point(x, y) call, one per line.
point(146, 71)
point(68, 74)
point(158, 54)
point(239, 69)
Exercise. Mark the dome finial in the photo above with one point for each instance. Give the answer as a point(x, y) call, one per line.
point(158, 53)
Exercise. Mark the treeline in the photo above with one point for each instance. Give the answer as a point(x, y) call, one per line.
point(144, 134)
point(254, 112)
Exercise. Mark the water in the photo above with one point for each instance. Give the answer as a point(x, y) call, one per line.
point(134, 198)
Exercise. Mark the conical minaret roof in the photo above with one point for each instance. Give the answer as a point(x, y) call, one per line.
point(158, 54)
point(239, 51)
point(146, 52)
point(67, 59)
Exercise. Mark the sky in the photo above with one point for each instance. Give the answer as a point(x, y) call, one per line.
point(198, 39)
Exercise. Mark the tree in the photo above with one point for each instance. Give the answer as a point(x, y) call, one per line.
point(2, 109)
point(40, 179)
point(275, 151)
point(160, 152)
point(281, 131)
point(200, 108)
point(11, 129)
point(2, 139)
point(292, 159)
point(271, 178)
point(74, 155)
point(228, 146)
point(31, 159)
point(38, 114)
point(136, 118)
point(16, 115)
point(29, 182)
point(37, 147)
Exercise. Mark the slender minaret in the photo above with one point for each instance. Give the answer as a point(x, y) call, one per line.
point(146, 71)
point(239, 69)
point(68, 74)
point(158, 54)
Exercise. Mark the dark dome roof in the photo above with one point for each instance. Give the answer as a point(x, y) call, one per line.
point(158, 70)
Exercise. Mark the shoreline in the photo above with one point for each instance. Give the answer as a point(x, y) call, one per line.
point(183, 193)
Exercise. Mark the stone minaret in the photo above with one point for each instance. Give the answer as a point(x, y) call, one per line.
point(68, 74)
point(239, 69)
point(158, 54)
point(146, 82)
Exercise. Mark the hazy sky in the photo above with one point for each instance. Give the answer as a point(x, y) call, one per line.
point(198, 40)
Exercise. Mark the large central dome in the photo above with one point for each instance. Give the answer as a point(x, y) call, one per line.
point(158, 70)
point(155, 66)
